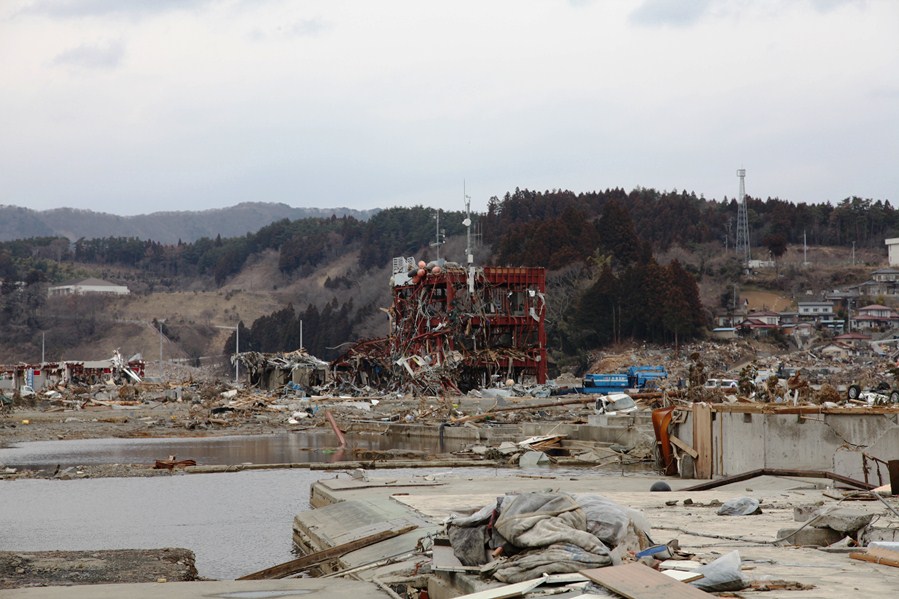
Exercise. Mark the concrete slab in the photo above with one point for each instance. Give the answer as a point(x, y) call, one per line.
point(267, 589)
point(690, 517)
point(348, 521)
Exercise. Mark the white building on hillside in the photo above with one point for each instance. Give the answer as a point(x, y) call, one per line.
point(893, 250)
point(87, 286)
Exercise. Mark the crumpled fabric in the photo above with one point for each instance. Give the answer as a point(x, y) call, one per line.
point(740, 506)
point(558, 558)
point(540, 533)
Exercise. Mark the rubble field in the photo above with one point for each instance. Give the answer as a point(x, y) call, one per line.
point(201, 406)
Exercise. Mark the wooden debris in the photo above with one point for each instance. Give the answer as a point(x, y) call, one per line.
point(172, 463)
point(878, 555)
point(510, 590)
point(684, 447)
point(636, 581)
point(307, 561)
point(683, 575)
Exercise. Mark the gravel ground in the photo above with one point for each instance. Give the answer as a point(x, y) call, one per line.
point(52, 568)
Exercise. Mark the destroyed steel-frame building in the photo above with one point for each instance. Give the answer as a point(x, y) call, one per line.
point(455, 328)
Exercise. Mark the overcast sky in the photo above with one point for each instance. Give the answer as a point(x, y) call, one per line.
point(134, 106)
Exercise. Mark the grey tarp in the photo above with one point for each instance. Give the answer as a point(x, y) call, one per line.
point(540, 533)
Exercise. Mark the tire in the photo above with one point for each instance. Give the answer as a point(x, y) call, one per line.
point(894, 396)
point(854, 391)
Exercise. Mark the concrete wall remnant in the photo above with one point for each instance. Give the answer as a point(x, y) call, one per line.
point(853, 442)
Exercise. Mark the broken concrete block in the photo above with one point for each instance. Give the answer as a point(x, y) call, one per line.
point(507, 448)
point(844, 520)
point(879, 534)
point(533, 458)
point(809, 536)
point(801, 513)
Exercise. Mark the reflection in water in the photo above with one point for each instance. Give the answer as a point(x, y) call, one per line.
point(235, 523)
point(305, 446)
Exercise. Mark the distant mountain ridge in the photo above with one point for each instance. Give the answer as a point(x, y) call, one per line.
point(165, 227)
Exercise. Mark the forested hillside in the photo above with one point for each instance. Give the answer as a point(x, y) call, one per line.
point(163, 227)
point(606, 281)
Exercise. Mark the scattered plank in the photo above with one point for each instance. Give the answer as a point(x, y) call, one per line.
point(172, 463)
point(878, 555)
point(702, 439)
point(636, 581)
point(510, 590)
point(683, 575)
point(726, 480)
point(684, 447)
point(679, 564)
point(307, 561)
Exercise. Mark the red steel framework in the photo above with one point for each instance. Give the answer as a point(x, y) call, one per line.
point(492, 327)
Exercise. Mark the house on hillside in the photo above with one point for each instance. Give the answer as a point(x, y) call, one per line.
point(802, 331)
point(874, 317)
point(88, 286)
point(757, 326)
point(859, 343)
point(816, 312)
point(788, 318)
point(884, 281)
point(842, 298)
point(765, 316)
point(730, 318)
point(836, 351)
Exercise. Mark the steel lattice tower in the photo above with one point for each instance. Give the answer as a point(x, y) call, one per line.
point(743, 251)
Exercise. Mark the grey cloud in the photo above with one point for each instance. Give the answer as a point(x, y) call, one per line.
point(677, 13)
point(308, 27)
point(92, 8)
point(302, 28)
point(96, 56)
point(829, 5)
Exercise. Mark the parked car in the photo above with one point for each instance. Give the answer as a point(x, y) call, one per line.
point(721, 384)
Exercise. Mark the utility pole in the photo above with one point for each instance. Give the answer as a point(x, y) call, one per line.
point(236, 330)
point(159, 322)
point(742, 246)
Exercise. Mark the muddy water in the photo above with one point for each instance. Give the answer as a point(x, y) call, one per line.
point(235, 523)
point(306, 446)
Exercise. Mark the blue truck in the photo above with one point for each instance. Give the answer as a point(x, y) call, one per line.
point(637, 377)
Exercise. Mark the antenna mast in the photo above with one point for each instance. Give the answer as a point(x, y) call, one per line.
point(742, 244)
point(469, 256)
point(436, 244)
